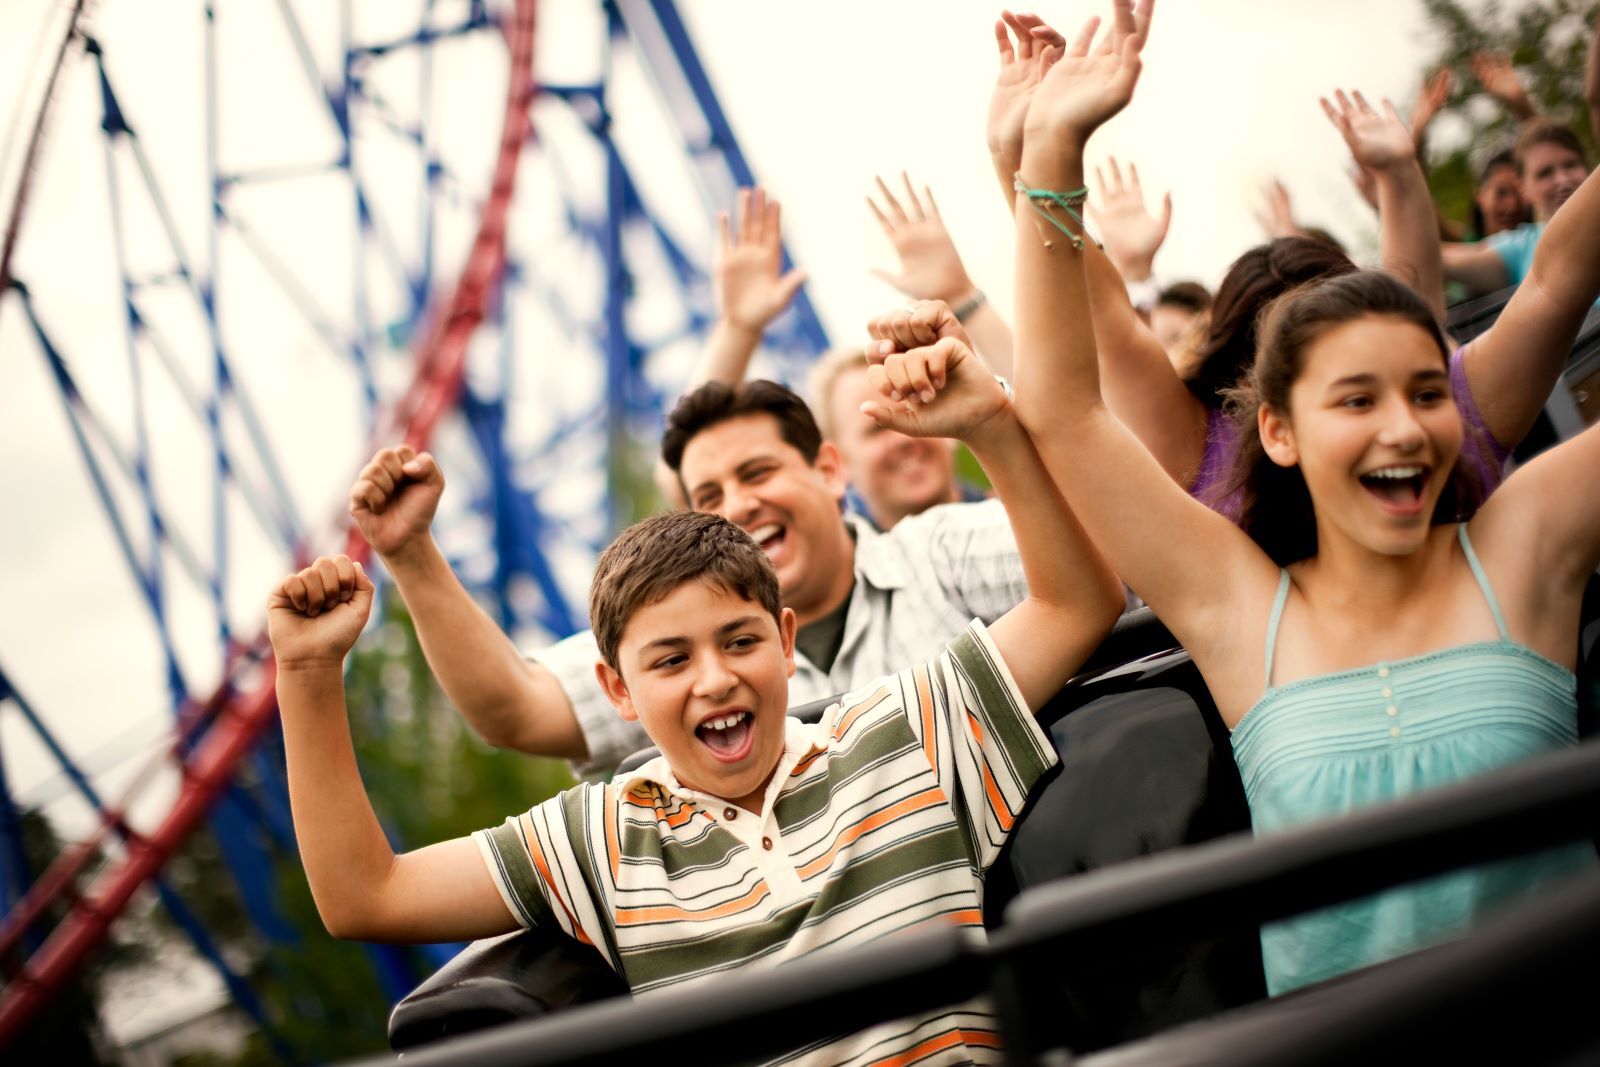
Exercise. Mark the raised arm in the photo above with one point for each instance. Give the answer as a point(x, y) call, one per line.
point(1501, 81)
point(1199, 572)
point(361, 888)
point(1512, 367)
point(942, 390)
point(1408, 232)
point(1141, 386)
point(509, 700)
point(751, 289)
point(1435, 93)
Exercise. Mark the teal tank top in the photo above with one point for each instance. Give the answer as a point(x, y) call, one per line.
point(1321, 746)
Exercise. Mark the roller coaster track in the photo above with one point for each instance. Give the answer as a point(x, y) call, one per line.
point(211, 741)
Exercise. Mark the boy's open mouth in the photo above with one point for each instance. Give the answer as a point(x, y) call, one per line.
point(728, 736)
point(770, 536)
point(1398, 488)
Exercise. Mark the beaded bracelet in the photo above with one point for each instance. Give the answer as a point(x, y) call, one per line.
point(1068, 202)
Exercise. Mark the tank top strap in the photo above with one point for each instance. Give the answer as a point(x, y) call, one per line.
point(1483, 583)
point(1273, 620)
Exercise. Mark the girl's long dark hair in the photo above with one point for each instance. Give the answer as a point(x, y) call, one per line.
point(1256, 279)
point(1275, 506)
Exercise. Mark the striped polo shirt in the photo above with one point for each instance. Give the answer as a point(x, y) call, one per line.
point(881, 817)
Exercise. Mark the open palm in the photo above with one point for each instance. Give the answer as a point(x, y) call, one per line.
point(1376, 139)
point(1088, 85)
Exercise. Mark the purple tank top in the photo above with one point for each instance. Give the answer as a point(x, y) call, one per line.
point(1482, 454)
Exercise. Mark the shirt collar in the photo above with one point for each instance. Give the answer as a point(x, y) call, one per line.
point(875, 564)
point(800, 739)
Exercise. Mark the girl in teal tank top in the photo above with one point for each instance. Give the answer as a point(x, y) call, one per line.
point(1366, 635)
point(1321, 746)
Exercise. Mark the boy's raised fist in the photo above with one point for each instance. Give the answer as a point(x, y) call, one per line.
point(394, 498)
point(314, 616)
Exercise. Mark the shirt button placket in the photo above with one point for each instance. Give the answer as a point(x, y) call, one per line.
point(1393, 710)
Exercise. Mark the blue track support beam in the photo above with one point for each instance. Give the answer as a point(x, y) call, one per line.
point(15, 873)
point(723, 144)
point(517, 523)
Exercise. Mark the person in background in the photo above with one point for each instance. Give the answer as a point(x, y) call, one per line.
point(891, 475)
point(1551, 167)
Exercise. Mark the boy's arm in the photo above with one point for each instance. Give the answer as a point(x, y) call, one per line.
point(362, 889)
point(511, 702)
point(942, 390)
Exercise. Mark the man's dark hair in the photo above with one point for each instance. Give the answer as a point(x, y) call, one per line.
point(1189, 296)
point(717, 402)
point(650, 559)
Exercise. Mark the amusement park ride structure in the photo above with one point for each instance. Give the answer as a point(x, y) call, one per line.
point(454, 339)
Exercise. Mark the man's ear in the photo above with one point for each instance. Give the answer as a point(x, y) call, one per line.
point(1277, 436)
point(788, 626)
point(830, 465)
point(616, 690)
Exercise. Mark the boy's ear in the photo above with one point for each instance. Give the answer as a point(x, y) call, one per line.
point(830, 465)
point(1277, 437)
point(788, 626)
point(616, 690)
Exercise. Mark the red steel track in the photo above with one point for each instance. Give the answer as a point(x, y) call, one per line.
point(241, 717)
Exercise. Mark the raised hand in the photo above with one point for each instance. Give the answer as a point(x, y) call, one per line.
point(1430, 101)
point(930, 266)
point(747, 276)
point(1275, 213)
point(1376, 140)
point(922, 323)
point(1501, 81)
point(1090, 83)
point(1028, 47)
point(315, 615)
point(1131, 234)
point(966, 400)
point(394, 498)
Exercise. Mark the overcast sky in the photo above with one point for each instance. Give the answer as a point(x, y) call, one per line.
point(822, 95)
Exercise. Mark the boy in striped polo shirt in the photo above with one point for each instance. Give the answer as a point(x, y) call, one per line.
point(753, 838)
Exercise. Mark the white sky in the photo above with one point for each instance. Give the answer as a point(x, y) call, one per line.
point(822, 95)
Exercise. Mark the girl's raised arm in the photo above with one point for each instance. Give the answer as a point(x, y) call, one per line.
point(1199, 572)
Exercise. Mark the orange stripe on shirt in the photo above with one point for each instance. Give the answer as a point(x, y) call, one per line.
point(940, 1043)
point(849, 715)
point(613, 842)
point(976, 727)
point(671, 912)
point(997, 803)
point(925, 799)
point(925, 702)
point(537, 854)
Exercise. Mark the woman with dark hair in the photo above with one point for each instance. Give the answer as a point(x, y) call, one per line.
point(1497, 203)
point(1364, 635)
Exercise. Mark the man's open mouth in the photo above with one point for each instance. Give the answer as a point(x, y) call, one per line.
point(770, 536)
point(1399, 488)
point(727, 736)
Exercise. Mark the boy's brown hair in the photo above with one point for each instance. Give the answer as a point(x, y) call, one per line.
point(655, 556)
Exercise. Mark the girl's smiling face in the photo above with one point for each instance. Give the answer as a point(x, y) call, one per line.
point(1374, 430)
